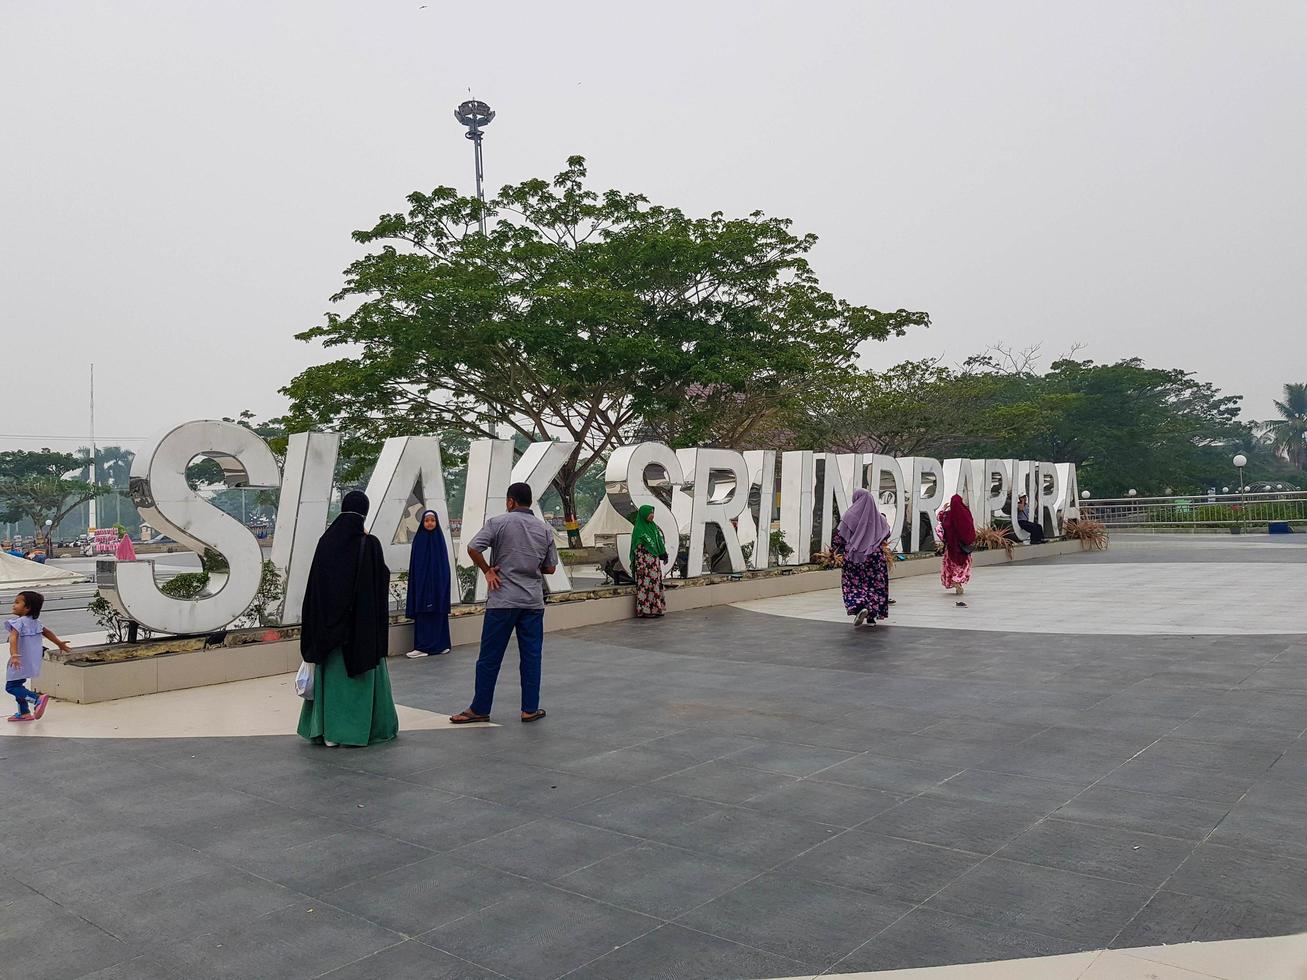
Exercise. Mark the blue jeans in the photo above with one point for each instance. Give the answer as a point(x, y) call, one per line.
point(19, 692)
point(496, 628)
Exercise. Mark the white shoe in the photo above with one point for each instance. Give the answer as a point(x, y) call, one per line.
point(861, 618)
point(415, 654)
point(331, 745)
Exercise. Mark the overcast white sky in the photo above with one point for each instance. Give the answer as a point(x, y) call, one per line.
point(180, 179)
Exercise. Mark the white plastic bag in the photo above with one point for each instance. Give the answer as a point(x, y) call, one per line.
point(304, 682)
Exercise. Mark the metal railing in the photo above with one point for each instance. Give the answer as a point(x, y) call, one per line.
point(1215, 512)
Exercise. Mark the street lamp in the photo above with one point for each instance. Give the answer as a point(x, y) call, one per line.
point(1084, 494)
point(49, 539)
point(1240, 461)
point(476, 116)
point(1130, 492)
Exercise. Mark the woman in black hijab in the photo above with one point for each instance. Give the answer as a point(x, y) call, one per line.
point(345, 634)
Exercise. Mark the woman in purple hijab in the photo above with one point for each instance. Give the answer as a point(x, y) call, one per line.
point(865, 577)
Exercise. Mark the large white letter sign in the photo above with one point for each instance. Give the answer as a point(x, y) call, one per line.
point(841, 475)
point(880, 470)
point(717, 499)
point(925, 495)
point(1068, 501)
point(797, 479)
point(161, 494)
point(762, 474)
point(629, 490)
point(960, 478)
point(302, 512)
point(995, 485)
point(1050, 489)
point(406, 464)
point(683, 492)
point(490, 469)
point(1022, 484)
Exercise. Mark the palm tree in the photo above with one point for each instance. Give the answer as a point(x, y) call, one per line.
point(113, 468)
point(1289, 431)
point(116, 465)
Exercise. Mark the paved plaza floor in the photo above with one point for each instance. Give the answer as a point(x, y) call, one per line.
point(752, 792)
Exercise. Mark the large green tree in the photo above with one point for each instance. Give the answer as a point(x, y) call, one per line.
point(909, 409)
point(579, 315)
point(39, 486)
point(1126, 425)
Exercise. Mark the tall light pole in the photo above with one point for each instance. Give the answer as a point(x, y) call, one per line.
point(476, 116)
point(1240, 461)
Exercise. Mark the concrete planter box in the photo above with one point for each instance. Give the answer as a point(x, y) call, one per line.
point(174, 663)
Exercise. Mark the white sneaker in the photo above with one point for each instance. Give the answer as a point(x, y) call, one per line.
point(331, 745)
point(415, 654)
point(861, 618)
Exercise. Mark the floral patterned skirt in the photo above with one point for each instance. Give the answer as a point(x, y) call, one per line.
point(865, 585)
point(953, 574)
point(649, 597)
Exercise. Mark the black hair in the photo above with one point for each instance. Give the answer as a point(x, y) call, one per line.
point(520, 494)
point(34, 601)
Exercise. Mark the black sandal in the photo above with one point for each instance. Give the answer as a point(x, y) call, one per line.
point(468, 717)
point(534, 716)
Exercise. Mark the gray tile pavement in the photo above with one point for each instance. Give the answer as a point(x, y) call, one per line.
point(814, 799)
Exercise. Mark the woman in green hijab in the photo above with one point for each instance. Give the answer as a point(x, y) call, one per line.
point(648, 552)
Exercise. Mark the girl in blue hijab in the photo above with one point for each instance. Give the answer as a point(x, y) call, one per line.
point(428, 589)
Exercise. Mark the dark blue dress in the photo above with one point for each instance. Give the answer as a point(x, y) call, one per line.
point(428, 590)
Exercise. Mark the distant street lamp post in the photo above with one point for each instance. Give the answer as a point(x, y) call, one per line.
point(476, 116)
point(1240, 461)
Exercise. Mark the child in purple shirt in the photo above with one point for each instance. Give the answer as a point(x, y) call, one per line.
point(25, 654)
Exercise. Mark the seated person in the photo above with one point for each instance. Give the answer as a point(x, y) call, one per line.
point(1036, 531)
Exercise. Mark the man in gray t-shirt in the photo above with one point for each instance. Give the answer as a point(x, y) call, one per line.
point(523, 551)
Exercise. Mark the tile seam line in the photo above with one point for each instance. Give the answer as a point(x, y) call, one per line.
point(776, 867)
point(1206, 837)
point(996, 850)
point(700, 932)
point(385, 949)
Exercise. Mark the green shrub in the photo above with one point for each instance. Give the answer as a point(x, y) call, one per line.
point(267, 600)
point(467, 581)
point(187, 585)
point(213, 562)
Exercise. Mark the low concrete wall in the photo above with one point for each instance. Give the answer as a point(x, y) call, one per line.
point(89, 682)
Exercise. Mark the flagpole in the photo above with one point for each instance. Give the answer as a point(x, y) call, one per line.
point(91, 514)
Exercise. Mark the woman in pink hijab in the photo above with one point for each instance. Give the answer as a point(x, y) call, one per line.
point(126, 551)
point(864, 579)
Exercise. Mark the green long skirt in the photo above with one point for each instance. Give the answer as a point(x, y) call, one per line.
point(349, 710)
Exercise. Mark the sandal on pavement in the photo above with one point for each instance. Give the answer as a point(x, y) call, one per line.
point(468, 717)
